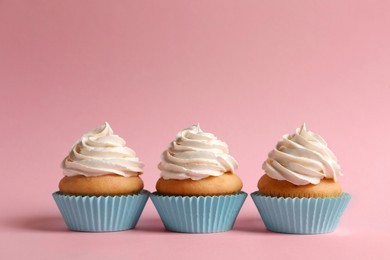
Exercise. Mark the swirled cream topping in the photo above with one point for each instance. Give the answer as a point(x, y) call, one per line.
point(100, 152)
point(196, 155)
point(302, 158)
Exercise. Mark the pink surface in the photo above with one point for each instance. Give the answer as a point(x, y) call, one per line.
point(248, 71)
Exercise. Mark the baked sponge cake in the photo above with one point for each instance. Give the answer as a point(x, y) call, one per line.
point(299, 192)
point(101, 189)
point(198, 190)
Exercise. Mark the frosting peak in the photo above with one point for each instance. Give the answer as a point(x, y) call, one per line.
point(196, 155)
point(302, 158)
point(101, 152)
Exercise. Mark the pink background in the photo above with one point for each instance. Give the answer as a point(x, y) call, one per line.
point(248, 71)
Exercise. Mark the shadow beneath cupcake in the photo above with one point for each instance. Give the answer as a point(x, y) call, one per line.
point(250, 224)
point(153, 225)
point(38, 223)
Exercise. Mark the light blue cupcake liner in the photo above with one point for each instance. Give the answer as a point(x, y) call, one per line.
point(301, 216)
point(198, 214)
point(101, 213)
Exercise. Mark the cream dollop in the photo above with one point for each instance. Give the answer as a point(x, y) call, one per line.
point(101, 152)
point(196, 155)
point(302, 158)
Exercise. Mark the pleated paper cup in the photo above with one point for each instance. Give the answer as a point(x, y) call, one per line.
point(301, 215)
point(198, 214)
point(101, 213)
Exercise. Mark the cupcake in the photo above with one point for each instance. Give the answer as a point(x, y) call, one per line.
point(101, 189)
point(199, 190)
point(299, 192)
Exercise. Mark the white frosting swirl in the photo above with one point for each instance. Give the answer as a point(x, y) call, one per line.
point(100, 152)
point(196, 155)
point(302, 158)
